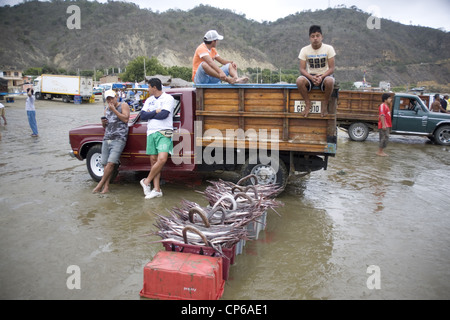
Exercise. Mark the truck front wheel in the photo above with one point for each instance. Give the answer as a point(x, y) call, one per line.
point(94, 164)
point(358, 131)
point(442, 136)
point(272, 173)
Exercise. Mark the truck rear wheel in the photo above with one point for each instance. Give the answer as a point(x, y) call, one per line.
point(358, 131)
point(266, 173)
point(442, 135)
point(94, 164)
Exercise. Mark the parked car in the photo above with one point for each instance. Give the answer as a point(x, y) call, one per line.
point(97, 90)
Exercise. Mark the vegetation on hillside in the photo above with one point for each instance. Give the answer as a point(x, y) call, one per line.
point(114, 34)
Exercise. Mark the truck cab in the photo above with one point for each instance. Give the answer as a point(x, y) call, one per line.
point(410, 116)
point(409, 113)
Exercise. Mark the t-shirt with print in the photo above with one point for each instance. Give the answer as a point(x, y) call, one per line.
point(164, 101)
point(317, 60)
point(201, 51)
point(384, 110)
point(116, 128)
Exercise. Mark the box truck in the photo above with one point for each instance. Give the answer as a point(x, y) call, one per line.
point(49, 86)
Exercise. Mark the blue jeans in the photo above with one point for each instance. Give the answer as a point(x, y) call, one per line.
point(201, 77)
point(32, 121)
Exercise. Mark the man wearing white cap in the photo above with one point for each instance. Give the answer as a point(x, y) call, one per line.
point(205, 70)
point(115, 122)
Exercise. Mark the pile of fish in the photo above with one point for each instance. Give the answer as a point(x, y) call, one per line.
point(224, 222)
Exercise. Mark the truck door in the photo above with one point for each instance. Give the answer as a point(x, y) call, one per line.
point(409, 115)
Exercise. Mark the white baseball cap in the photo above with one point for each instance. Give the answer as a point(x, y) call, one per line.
point(110, 93)
point(212, 35)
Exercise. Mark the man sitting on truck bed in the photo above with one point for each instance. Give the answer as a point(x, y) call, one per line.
point(205, 70)
point(316, 69)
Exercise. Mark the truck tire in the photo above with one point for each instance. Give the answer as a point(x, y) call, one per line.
point(358, 131)
point(66, 99)
point(94, 164)
point(38, 96)
point(442, 135)
point(266, 174)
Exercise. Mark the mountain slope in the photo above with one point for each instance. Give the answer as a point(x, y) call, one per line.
point(36, 33)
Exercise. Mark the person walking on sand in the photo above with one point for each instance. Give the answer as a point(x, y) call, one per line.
point(317, 63)
point(384, 123)
point(158, 111)
point(31, 112)
point(115, 122)
point(204, 68)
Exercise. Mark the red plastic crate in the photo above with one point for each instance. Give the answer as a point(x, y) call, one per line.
point(183, 276)
point(230, 254)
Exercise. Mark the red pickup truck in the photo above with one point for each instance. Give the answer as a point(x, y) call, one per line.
point(248, 128)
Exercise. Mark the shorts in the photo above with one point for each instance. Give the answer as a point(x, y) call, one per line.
point(201, 77)
point(2, 112)
point(111, 151)
point(157, 143)
point(384, 137)
point(322, 87)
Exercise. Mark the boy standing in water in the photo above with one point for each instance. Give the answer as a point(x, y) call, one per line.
point(384, 123)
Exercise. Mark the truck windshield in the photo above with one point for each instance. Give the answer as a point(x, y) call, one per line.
point(420, 105)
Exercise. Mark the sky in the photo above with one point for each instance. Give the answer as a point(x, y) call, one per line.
point(431, 13)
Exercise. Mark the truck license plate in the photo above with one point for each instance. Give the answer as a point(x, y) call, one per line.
point(316, 106)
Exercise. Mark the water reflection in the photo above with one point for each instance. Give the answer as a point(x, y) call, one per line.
point(364, 210)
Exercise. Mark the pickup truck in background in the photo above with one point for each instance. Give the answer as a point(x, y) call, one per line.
point(249, 129)
point(357, 112)
point(51, 86)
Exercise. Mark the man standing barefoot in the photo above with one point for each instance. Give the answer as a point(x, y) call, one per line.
point(384, 123)
point(115, 123)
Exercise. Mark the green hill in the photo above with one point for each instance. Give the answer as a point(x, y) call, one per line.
point(112, 34)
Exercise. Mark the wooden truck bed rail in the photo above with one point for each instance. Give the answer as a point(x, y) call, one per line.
point(265, 107)
point(358, 105)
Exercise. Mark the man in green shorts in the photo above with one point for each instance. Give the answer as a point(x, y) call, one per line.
point(158, 110)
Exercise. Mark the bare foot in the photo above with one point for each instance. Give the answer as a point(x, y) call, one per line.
point(382, 154)
point(305, 112)
point(231, 80)
point(242, 80)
